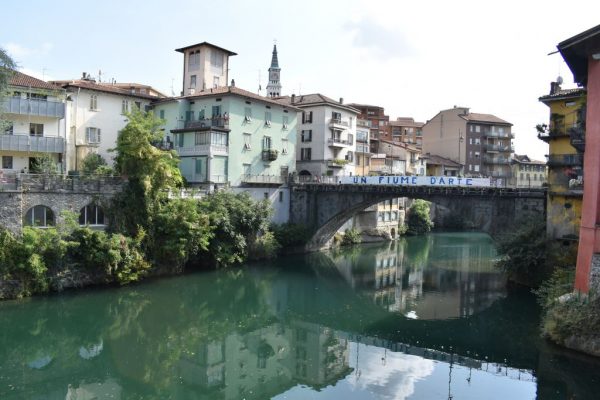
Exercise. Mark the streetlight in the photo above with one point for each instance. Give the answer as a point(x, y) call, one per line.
point(460, 140)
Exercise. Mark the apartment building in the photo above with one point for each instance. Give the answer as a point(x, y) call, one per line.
point(229, 137)
point(326, 143)
point(406, 130)
point(377, 122)
point(528, 173)
point(363, 148)
point(565, 135)
point(96, 114)
point(480, 143)
point(35, 114)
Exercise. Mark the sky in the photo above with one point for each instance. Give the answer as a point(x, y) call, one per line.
point(414, 58)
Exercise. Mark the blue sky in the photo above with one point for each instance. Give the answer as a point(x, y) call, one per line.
point(413, 58)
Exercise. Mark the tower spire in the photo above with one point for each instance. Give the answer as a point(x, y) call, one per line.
point(274, 85)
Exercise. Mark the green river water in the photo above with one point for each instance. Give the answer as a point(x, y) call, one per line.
point(421, 318)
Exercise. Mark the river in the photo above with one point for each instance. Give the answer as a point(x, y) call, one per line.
point(421, 318)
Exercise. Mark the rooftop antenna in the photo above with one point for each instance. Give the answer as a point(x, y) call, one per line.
point(259, 85)
point(172, 90)
point(99, 76)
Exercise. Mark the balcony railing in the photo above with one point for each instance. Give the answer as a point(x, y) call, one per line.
point(336, 163)
point(203, 150)
point(39, 144)
point(577, 137)
point(565, 160)
point(338, 142)
point(496, 160)
point(36, 107)
point(338, 122)
point(216, 122)
point(264, 179)
point(270, 155)
point(506, 135)
point(499, 148)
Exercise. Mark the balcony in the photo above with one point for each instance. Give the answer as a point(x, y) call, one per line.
point(216, 122)
point(270, 155)
point(499, 174)
point(34, 107)
point(338, 142)
point(38, 144)
point(496, 160)
point(498, 148)
point(204, 150)
point(577, 138)
point(501, 135)
point(337, 123)
point(565, 160)
point(263, 179)
point(336, 163)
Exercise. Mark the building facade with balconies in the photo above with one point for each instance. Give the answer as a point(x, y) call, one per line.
point(406, 130)
point(480, 143)
point(35, 115)
point(326, 142)
point(377, 122)
point(96, 115)
point(528, 173)
point(363, 148)
point(565, 135)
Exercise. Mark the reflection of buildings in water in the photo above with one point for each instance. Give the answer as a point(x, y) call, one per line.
point(107, 390)
point(267, 361)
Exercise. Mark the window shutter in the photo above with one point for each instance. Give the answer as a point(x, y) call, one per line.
point(99, 138)
point(310, 116)
point(181, 140)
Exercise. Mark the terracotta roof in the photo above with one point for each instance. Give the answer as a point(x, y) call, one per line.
point(476, 117)
point(408, 122)
point(434, 159)
point(133, 85)
point(21, 79)
point(183, 49)
point(101, 87)
point(524, 159)
point(357, 105)
point(401, 144)
point(563, 94)
point(229, 90)
point(306, 100)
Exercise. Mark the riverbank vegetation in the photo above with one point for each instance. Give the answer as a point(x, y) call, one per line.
point(418, 221)
point(149, 233)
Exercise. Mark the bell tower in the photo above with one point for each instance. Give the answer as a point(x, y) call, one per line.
point(274, 85)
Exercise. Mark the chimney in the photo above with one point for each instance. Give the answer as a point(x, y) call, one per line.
point(83, 75)
point(233, 82)
point(554, 87)
point(341, 100)
point(293, 98)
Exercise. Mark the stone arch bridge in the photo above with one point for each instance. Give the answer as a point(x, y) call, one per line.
point(325, 207)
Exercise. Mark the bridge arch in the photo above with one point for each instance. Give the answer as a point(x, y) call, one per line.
point(324, 208)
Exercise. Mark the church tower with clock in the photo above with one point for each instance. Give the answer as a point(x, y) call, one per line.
point(274, 85)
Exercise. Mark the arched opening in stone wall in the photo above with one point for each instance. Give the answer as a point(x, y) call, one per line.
point(39, 216)
point(92, 215)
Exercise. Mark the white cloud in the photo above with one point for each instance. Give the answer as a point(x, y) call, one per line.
point(383, 42)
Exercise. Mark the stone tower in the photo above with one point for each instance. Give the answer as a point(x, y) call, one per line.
point(274, 86)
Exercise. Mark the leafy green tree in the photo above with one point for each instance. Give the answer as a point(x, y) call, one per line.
point(237, 220)
point(418, 220)
point(44, 165)
point(7, 67)
point(95, 164)
point(151, 173)
point(351, 236)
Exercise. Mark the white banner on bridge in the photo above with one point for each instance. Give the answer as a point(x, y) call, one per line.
point(448, 181)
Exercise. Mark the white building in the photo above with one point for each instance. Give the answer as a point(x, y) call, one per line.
point(326, 136)
point(95, 115)
point(206, 66)
point(35, 115)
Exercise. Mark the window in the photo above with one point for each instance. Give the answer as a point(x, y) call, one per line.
point(476, 168)
point(194, 59)
point(180, 139)
point(307, 117)
point(7, 162)
point(161, 114)
point(138, 104)
point(307, 136)
point(305, 154)
point(193, 81)
point(198, 166)
point(477, 141)
point(285, 121)
point(267, 143)
point(350, 138)
point(91, 215)
point(284, 146)
point(93, 135)
point(216, 60)
point(216, 111)
point(476, 154)
point(266, 195)
point(350, 156)
point(247, 141)
point(124, 106)
point(470, 140)
point(248, 114)
point(281, 196)
point(93, 102)
point(36, 129)
point(216, 81)
point(477, 128)
point(336, 116)
point(40, 216)
point(268, 118)
point(9, 128)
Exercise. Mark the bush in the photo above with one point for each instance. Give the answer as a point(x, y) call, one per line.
point(351, 236)
point(418, 220)
point(290, 235)
point(95, 164)
point(264, 246)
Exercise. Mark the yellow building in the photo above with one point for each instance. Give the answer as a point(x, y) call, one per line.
point(566, 139)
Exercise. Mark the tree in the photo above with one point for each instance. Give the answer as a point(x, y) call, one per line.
point(95, 164)
point(151, 173)
point(7, 67)
point(418, 220)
